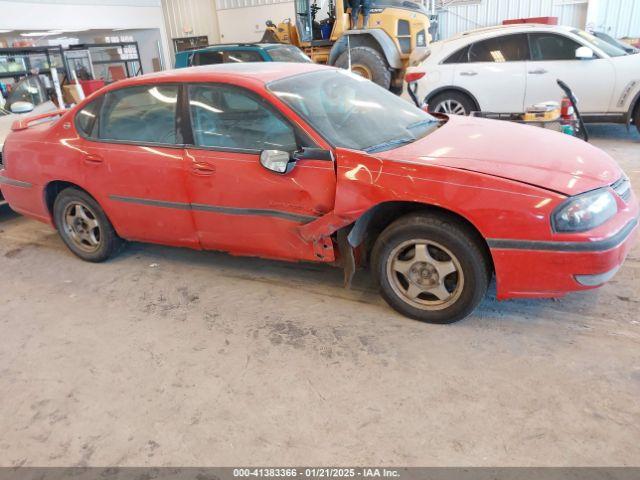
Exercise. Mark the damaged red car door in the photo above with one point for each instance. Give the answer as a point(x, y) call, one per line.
point(237, 204)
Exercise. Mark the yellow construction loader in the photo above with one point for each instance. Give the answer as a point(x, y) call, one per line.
point(397, 28)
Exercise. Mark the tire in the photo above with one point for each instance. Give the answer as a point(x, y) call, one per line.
point(456, 270)
point(367, 62)
point(636, 117)
point(452, 102)
point(84, 227)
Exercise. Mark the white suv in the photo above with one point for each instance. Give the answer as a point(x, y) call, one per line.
point(504, 69)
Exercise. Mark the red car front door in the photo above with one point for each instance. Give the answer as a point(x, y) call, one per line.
point(133, 162)
point(238, 205)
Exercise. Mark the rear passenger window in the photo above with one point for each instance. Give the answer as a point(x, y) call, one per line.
point(86, 119)
point(461, 56)
point(228, 117)
point(507, 48)
point(550, 46)
point(145, 114)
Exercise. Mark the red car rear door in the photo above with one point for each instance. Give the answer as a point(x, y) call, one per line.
point(133, 162)
point(237, 204)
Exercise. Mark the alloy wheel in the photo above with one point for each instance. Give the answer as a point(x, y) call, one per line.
point(450, 107)
point(425, 274)
point(82, 227)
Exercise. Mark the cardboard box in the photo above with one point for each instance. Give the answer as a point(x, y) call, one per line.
point(70, 94)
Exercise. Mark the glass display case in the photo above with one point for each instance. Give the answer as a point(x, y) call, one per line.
point(112, 61)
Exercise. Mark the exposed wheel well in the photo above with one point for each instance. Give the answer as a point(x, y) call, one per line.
point(453, 89)
point(369, 226)
point(53, 189)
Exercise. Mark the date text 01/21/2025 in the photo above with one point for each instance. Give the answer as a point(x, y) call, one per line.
point(323, 472)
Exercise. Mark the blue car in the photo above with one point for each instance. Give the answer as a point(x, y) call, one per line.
point(239, 53)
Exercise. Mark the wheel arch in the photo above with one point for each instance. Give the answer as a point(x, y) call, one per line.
point(371, 223)
point(634, 108)
point(374, 38)
point(55, 187)
point(452, 88)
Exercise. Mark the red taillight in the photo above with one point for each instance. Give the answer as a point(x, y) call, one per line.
point(566, 109)
point(414, 76)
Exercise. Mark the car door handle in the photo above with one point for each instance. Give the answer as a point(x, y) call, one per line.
point(93, 159)
point(203, 169)
point(539, 71)
point(469, 73)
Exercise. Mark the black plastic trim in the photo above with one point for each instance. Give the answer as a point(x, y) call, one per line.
point(597, 246)
point(260, 212)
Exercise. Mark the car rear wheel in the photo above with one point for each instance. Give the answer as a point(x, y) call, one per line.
point(451, 103)
point(84, 227)
point(636, 117)
point(368, 63)
point(430, 268)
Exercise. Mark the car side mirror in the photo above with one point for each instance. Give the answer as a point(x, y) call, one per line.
point(22, 107)
point(584, 53)
point(277, 161)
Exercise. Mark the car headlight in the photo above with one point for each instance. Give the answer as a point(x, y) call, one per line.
point(585, 211)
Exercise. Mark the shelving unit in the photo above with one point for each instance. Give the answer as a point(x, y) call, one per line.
point(17, 62)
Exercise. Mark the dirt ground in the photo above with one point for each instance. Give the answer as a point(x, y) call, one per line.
point(167, 356)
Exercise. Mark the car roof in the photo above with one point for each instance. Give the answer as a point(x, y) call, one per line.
point(511, 28)
point(257, 72)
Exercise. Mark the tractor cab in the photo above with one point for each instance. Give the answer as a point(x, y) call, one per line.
point(311, 30)
point(381, 52)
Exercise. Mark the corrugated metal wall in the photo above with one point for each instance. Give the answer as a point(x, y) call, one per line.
point(619, 18)
point(454, 19)
point(199, 16)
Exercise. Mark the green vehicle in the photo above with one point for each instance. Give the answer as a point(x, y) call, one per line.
point(240, 53)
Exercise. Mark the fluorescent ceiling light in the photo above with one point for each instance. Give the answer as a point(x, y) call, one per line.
point(41, 34)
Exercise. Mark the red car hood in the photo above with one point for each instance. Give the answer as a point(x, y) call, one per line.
point(523, 153)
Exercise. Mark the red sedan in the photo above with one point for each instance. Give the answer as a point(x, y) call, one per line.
point(308, 163)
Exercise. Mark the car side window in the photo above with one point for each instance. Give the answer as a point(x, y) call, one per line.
point(145, 114)
point(242, 56)
point(207, 58)
point(86, 119)
point(223, 116)
point(551, 46)
point(460, 56)
point(229, 56)
point(506, 48)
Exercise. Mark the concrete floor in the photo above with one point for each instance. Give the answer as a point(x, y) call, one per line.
point(174, 357)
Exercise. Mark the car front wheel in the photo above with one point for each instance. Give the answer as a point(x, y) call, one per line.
point(430, 268)
point(84, 227)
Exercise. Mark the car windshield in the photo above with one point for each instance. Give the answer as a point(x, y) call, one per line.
point(29, 89)
point(606, 47)
point(288, 54)
point(352, 112)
